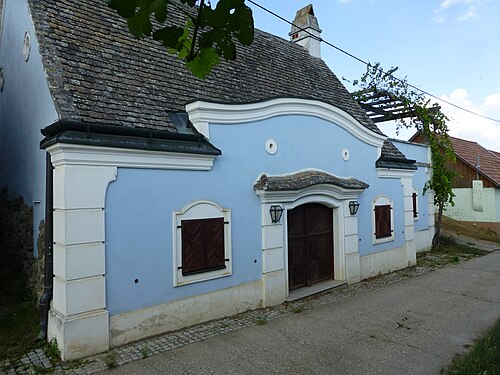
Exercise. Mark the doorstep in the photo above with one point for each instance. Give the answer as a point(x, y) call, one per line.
point(315, 289)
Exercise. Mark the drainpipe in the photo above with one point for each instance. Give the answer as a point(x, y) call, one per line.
point(49, 241)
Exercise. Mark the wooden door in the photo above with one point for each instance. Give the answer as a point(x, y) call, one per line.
point(310, 245)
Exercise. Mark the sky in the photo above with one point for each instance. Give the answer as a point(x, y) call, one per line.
point(449, 48)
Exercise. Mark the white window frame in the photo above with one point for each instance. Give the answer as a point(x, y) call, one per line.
point(382, 200)
point(200, 210)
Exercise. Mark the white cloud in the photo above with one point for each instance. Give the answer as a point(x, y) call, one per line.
point(462, 9)
point(492, 101)
point(448, 3)
point(467, 15)
point(468, 126)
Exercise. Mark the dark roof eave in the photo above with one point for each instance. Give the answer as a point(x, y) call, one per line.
point(396, 163)
point(75, 132)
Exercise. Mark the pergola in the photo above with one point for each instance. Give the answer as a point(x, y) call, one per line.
point(381, 105)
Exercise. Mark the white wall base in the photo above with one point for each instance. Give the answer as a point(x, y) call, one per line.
point(384, 262)
point(352, 267)
point(274, 287)
point(80, 335)
point(423, 240)
point(138, 324)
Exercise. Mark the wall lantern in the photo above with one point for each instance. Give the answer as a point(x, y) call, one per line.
point(353, 207)
point(276, 211)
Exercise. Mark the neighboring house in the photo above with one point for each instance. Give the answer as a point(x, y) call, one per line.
point(476, 184)
point(163, 185)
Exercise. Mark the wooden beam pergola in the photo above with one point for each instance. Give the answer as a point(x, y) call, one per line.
point(382, 106)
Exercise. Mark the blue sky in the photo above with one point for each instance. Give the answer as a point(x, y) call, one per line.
point(450, 48)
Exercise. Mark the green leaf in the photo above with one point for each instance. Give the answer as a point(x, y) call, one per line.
point(159, 8)
point(125, 8)
point(140, 25)
point(242, 17)
point(204, 62)
point(169, 36)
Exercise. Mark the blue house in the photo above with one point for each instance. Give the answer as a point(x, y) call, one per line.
point(175, 200)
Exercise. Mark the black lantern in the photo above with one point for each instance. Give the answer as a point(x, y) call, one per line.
point(276, 211)
point(353, 207)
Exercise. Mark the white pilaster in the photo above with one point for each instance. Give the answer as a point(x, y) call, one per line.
point(351, 247)
point(408, 221)
point(78, 318)
point(273, 260)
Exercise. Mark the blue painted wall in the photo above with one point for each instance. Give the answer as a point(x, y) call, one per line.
point(25, 107)
point(419, 153)
point(140, 203)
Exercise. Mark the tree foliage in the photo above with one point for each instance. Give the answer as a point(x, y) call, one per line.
point(209, 32)
point(425, 117)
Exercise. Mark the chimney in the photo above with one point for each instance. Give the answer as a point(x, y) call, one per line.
point(306, 32)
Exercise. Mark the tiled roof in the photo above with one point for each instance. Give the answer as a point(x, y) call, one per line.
point(304, 179)
point(469, 152)
point(99, 73)
point(390, 150)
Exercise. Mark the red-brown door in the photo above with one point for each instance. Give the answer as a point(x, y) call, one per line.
point(310, 245)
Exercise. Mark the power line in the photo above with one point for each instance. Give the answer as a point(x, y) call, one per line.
point(368, 64)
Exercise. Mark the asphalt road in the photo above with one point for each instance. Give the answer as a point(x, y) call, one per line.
point(415, 326)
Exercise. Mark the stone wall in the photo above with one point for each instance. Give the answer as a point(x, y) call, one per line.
point(16, 241)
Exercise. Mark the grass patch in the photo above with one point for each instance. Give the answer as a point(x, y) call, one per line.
point(111, 359)
point(297, 309)
point(260, 321)
point(449, 251)
point(470, 230)
point(18, 314)
point(483, 358)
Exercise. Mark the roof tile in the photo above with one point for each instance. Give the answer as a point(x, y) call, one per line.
point(99, 73)
point(472, 152)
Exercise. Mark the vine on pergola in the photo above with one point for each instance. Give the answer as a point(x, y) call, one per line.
point(413, 110)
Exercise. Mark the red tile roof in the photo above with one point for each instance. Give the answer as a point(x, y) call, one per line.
point(469, 152)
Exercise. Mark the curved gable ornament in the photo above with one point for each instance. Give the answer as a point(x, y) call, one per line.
point(201, 114)
point(295, 186)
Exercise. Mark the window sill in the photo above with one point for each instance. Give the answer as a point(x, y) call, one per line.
point(201, 276)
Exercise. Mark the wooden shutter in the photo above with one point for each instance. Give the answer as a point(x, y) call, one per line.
point(414, 199)
point(202, 245)
point(383, 221)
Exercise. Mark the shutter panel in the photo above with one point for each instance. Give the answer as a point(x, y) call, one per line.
point(414, 198)
point(383, 221)
point(202, 245)
point(215, 243)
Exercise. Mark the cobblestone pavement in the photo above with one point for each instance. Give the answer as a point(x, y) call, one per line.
point(37, 361)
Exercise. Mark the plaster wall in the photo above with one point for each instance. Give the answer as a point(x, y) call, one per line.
point(421, 154)
point(497, 205)
point(464, 209)
point(26, 107)
point(140, 203)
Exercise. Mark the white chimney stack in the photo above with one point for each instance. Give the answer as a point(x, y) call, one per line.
point(306, 32)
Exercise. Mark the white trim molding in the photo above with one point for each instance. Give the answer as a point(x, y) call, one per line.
point(200, 210)
point(382, 200)
point(395, 173)
point(325, 191)
point(72, 154)
point(201, 114)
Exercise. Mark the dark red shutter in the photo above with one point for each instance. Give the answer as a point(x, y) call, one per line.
point(202, 245)
point(414, 197)
point(383, 221)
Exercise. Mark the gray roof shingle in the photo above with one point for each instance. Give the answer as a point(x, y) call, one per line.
point(304, 179)
point(99, 73)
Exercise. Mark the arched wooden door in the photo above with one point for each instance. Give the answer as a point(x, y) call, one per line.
point(310, 245)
